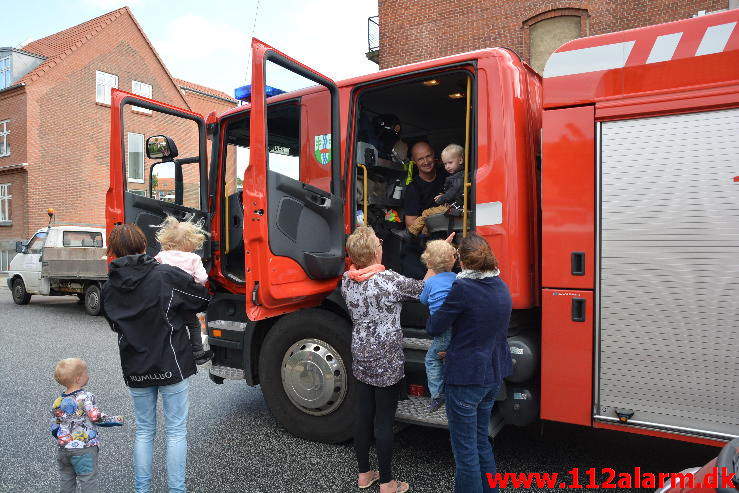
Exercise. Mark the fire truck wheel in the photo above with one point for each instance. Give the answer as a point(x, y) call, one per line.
point(20, 295)
point(304, 371)
point(92, 300)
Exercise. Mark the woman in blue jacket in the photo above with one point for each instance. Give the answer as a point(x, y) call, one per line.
point(478, 308)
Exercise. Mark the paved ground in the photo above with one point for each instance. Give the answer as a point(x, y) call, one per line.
point(235, 446)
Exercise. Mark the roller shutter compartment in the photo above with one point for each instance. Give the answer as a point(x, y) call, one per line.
point(669, 272)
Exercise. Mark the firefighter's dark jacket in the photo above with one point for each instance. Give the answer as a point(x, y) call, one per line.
point(145, 303)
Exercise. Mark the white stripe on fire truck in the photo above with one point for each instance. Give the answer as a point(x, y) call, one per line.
point(585, 60)
point(715, 39)
point(664, 47)
point(489, 213)
point(614, 55)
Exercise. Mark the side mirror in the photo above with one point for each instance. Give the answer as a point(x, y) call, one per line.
point(161, 147)
point(19, 247)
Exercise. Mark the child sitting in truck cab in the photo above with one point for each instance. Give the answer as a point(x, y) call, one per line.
point(179, 241)
point(450, 200)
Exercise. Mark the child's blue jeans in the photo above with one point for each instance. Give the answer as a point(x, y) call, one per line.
point(435, 365)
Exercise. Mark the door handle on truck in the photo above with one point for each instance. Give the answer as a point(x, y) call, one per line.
point(577, 263)
point(319, 200)
point(578, 309)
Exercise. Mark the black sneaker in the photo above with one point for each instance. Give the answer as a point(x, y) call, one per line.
point(436, 403)
point(202, 357)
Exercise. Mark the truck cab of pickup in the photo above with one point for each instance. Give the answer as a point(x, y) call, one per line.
point(57, 261)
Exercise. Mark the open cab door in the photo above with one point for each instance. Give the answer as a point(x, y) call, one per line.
point(158, 166)
point(293, 210)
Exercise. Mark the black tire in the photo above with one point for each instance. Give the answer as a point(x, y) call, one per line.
point(93, 300)
point(20, 295)
point(332, 422)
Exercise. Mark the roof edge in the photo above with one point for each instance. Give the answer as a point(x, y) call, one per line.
point(156, 54)
point(51, 62)
point(23, 52)
point(207, 94)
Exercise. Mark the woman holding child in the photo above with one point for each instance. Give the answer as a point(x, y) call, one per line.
point(478, 309)
point(148, 304)
point(373, 296)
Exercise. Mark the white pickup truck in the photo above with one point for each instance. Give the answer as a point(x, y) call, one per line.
point(60, 261)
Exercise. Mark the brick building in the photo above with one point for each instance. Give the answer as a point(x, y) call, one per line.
point(55, 121)
point(414, 30)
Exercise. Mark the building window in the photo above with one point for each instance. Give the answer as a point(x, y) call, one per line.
point(5, 72)
point(104, 82)
point(142, 89)
point(136, 157)
point(549, 30)
point(5, 203)
point(4, 146)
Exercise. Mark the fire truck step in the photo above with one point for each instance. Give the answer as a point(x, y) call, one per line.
point(416, 343)
point(415, 410)
point(227, 373)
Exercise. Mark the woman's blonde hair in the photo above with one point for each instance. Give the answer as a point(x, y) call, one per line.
point(68, 370)
point(185, 236)
point(362, 247)
point(439, 256)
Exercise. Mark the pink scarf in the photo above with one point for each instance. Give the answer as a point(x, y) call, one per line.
point(360, 275)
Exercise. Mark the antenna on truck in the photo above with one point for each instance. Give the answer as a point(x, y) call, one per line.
point(50, 212)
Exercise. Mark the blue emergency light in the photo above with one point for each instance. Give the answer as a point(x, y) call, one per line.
point(243, 93)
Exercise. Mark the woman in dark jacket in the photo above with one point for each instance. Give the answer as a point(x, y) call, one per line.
point(144, 302)
point(478, 308)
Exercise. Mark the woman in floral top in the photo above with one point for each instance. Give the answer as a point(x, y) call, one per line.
point(373, 296)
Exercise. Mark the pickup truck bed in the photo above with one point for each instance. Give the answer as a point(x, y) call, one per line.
point(74, 263)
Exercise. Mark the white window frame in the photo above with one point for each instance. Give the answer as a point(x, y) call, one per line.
point(6, 73)
point(5, 198)
point(4, 132)
point(132, 137)
point(142, 89)
point(104, 82)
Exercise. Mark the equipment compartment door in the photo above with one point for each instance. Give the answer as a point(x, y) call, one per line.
point(293, 209)
point(669, 272)
point(145, 191)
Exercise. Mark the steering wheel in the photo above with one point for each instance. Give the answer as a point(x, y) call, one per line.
point(729, 458)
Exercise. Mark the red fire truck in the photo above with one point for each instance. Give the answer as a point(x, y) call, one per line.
point(608, 190)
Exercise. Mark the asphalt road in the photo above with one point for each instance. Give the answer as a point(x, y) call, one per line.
point(234, 444)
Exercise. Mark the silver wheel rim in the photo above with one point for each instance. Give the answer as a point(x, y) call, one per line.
point(92, 300)
point(18, 291)
point(314, 377)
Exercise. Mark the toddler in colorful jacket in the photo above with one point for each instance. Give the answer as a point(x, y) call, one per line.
point(74, 418)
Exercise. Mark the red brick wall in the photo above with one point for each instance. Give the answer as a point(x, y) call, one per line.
point(68, 132)
point(204, 105)
point(415, 30)
point(13, 108)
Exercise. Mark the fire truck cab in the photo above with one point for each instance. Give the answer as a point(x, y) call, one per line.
point(561, 215)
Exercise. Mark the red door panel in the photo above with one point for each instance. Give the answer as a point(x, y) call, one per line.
point(294, 234)
point(567, 356)
point(568, 198)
